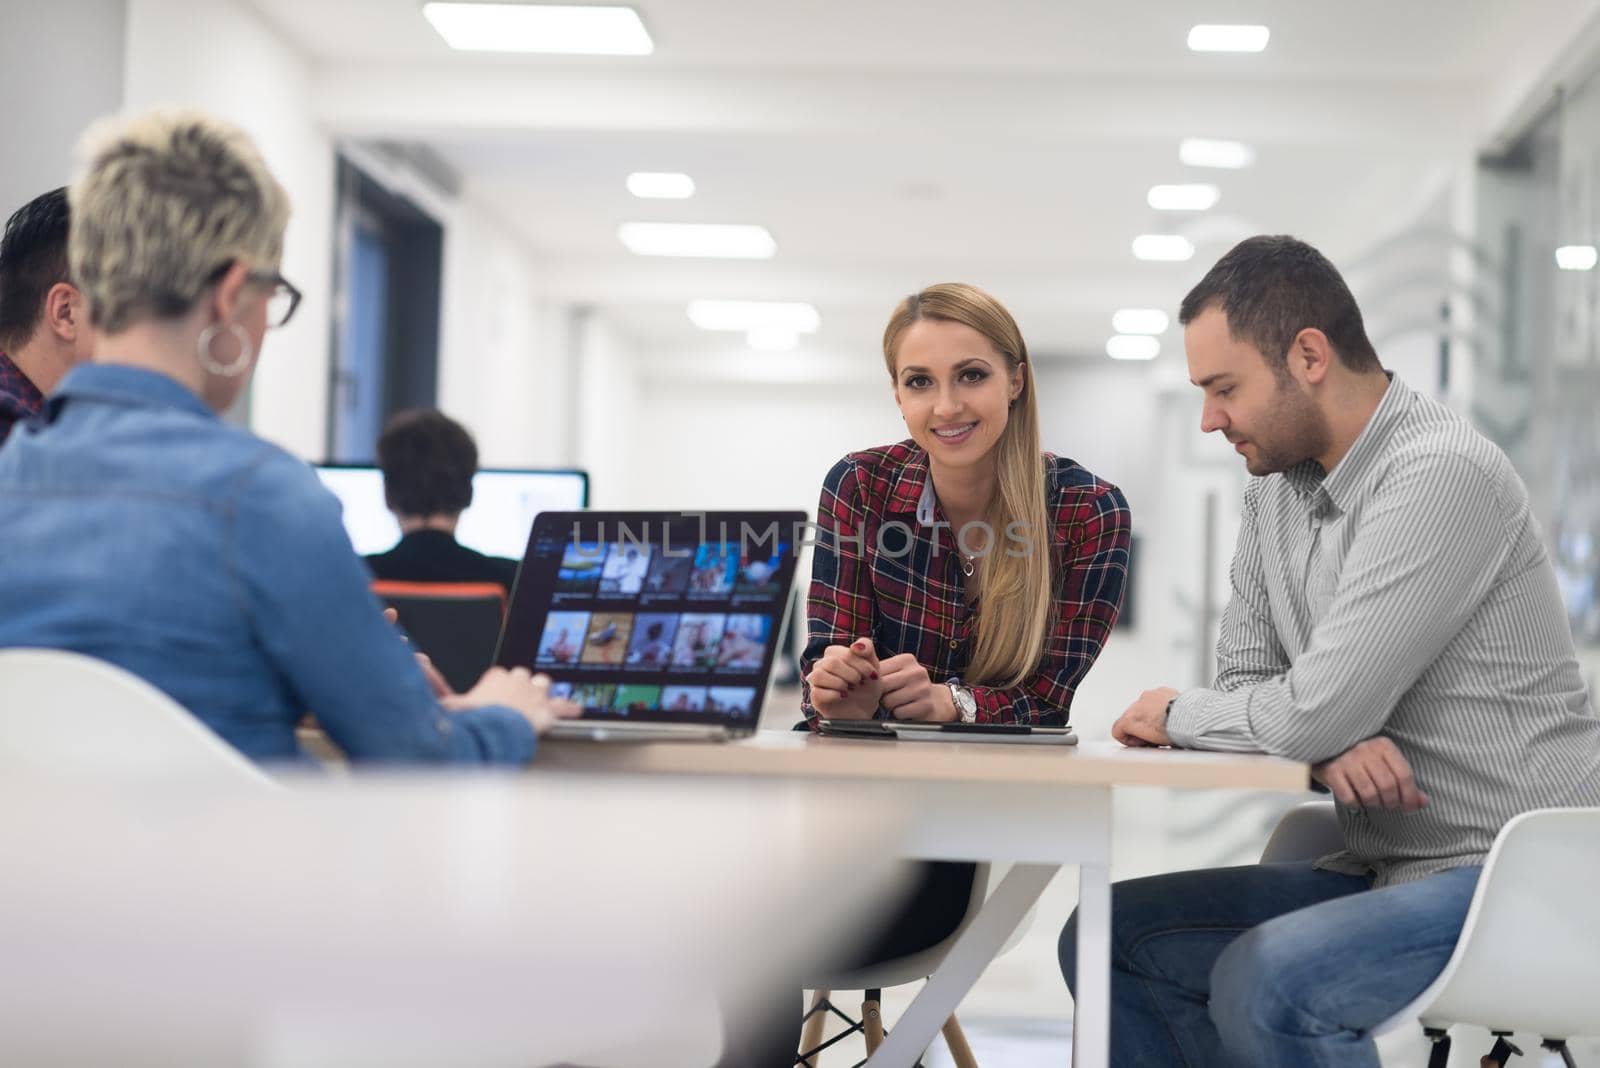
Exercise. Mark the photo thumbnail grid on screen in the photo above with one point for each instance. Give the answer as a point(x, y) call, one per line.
point(636, 627)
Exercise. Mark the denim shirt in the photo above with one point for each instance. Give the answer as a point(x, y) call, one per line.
point(138, 528)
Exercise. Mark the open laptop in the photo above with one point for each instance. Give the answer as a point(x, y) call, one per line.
point(662, 625)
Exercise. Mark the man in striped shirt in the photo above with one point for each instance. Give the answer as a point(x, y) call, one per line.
point(1395, 622)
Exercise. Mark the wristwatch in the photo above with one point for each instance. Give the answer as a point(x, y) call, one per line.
point(965, 703)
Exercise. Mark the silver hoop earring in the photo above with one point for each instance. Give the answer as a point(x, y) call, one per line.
point(240, 364)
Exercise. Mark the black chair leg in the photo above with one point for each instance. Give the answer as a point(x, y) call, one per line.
point(1559, 1045)
point(1502, 1053)
point(826, 1007)
point(852, 1027)
point(1440, 1056)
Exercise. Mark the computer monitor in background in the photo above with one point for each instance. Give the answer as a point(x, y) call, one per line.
point(504, 502)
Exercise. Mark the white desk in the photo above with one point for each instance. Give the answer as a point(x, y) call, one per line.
point(1038, 807)
point(463, 920)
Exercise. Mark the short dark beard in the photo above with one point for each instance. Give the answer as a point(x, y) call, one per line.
point(1297, 432)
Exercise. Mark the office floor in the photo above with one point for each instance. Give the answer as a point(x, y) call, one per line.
point(1019, 1014)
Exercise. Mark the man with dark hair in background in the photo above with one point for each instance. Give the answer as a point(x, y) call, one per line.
point(44, 324)
point(1395, 623)
point(428, 460)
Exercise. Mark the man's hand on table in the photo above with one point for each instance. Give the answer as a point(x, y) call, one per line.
point(1145, 721)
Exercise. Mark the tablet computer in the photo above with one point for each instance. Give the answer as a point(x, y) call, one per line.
point(856, 728)
point(1014, 733)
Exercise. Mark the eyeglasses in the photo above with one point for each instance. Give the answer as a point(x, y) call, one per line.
point(281, 302)
point(283, 299)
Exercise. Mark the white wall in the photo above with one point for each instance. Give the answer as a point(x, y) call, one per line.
point(504, 354)
point(221, 56)
point(60, 68)
point(609, 402)
point(750, 444)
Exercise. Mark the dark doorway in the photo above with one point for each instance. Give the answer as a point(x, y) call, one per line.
point(387, 266)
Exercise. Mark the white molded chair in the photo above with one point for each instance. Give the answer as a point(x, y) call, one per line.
point(898, 972)
point(1528, 959)
point(1306, 832)
point(66, 714)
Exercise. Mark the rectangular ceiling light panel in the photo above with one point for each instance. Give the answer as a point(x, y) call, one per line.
point(553, 28)
point(707, 240)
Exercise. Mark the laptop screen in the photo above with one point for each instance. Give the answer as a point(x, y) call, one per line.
point(504, 502)
point(655, 616)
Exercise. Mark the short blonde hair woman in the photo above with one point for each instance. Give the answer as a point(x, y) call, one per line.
point(191, 553)
point(963, 574)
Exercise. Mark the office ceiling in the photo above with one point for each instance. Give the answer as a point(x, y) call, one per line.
point(887, 144)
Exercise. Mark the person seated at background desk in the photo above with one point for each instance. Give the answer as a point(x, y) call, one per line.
point(191, 553)
point(1395, 622)
point(43, 324)
point(963, 574)
point(428, 460)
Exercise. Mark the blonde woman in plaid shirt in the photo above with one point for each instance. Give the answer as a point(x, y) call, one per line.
point(965, 573)
point(962, 574)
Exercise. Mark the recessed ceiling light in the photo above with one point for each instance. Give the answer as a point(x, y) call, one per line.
point(772, 339)
point(568, 29)
point(710, 240)
point(1133, 347)
point(1182, 197)
point(1205, 152)
point(749, 315)
point(1139, 321)
point(1576, 257)
point(1209, 38)
point(660, 185)
point(1169, 247)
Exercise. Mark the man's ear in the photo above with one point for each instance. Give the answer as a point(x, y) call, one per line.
point(1311, 355)
point(61, 314)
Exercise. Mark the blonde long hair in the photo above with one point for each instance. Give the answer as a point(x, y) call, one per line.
point(1018, 594)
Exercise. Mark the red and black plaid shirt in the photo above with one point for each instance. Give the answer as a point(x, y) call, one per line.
point(901, 584)
point(19, 398)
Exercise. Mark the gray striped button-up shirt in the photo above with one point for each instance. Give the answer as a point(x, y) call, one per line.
point(1406, 594)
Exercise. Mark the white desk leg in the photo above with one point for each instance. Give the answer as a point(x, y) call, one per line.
point(1091, 1014)
point(961, 967)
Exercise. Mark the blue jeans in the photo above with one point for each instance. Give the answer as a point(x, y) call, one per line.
point(1271, 964)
